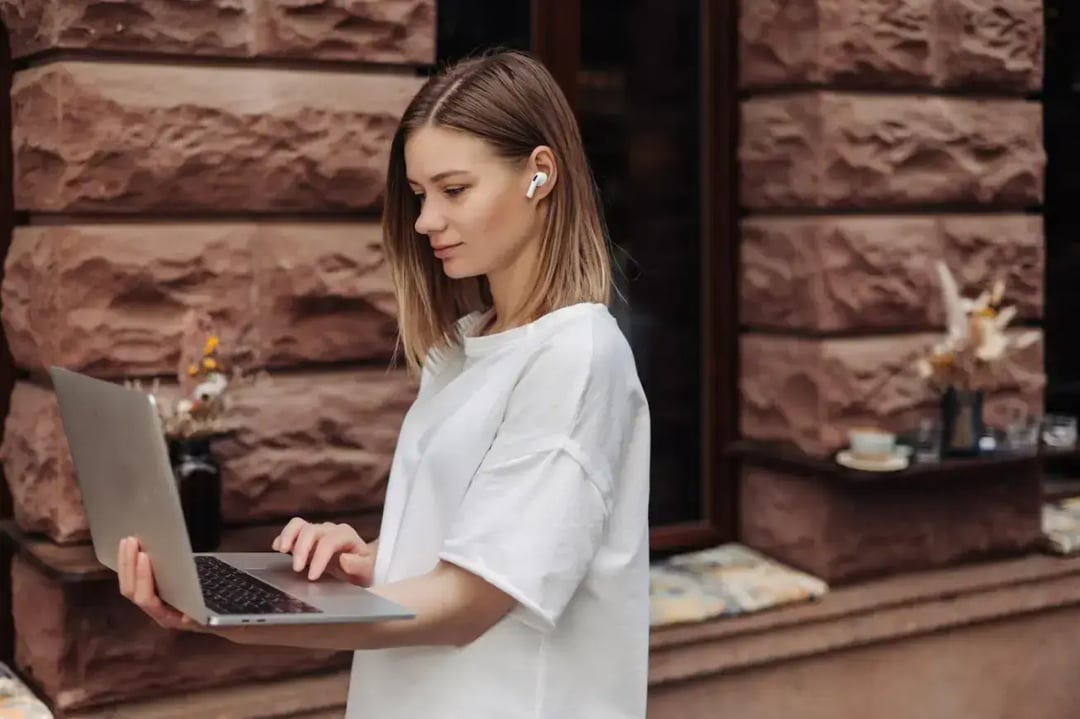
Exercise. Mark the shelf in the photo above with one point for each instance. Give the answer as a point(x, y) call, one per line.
point(76, 563)
point(1058, 487)
point(790, 459)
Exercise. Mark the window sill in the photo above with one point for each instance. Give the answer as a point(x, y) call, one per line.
point(872, 612)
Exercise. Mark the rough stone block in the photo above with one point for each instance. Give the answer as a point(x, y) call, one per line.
point(84, 645)
point(323, 293)
point(778, 42)
point(29, 24)
point(810, 392)
point(822, 41)
point(843, 150)
point(37, 467)
point(109, 299)
point(847, 274)
point(202, 27)
point(401, 31)
point(844, 533)
point(312, 444)
point(979, 248)
point(892, 43)
point(303, 444)
point(831, 274)
point(990, 43)
point(115, 137)
point(388, 31)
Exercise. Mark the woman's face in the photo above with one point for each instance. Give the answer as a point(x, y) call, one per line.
point(473, 208)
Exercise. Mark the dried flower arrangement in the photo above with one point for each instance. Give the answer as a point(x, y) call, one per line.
point(199, 409)
point(975, 338)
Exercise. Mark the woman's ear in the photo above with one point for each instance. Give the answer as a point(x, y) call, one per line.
point(542, 160)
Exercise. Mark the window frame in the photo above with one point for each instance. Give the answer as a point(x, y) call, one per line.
point(555, 26)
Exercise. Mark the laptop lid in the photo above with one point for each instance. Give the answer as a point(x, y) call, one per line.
point(122, 465)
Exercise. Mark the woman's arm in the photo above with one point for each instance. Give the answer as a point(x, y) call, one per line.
point(453, 607)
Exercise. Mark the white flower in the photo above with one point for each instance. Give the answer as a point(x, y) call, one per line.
point(1004, 317)
point(1027, 339)
point(998, 293)
point(955, 311)
point(993, 345)
point(213, 386)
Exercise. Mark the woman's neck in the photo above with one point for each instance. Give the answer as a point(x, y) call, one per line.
point(509, 287)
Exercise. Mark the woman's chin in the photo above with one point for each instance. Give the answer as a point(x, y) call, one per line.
point(456, 270)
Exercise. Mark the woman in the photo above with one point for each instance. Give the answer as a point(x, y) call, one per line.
point(515, 522)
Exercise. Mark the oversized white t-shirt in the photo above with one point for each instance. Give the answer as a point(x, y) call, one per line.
point(525, 460)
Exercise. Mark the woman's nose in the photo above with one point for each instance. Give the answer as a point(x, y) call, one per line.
point(429, 220)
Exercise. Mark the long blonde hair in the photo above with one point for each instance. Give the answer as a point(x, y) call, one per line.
point(511, 101)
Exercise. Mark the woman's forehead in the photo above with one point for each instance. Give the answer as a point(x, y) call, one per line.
point(432, 151)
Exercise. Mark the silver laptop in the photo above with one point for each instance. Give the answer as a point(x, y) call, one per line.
point(122, 465)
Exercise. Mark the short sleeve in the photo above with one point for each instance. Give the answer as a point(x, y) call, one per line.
point(535, 513)
point(531, 526)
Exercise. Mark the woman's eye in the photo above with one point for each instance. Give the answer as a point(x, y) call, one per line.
point(419, 197)
point(454, 191)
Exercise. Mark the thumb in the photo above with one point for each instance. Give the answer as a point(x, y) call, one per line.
point(357, 566)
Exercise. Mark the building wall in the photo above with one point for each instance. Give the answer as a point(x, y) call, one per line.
point(217, 155)
point(876, 138)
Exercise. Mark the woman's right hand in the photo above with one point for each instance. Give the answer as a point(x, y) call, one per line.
point(136, 578)
point(327, 547)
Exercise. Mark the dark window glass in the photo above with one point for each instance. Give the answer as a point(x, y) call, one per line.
point(639, 109)
point(467, 26)
point(1061, 107)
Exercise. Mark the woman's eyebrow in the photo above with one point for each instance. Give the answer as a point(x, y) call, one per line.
point(438, 177)
point(446, 173)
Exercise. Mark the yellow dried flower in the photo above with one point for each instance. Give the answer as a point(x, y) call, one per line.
point(192, 370)
point(942, 361)
point(209, 363)
point(211, 345)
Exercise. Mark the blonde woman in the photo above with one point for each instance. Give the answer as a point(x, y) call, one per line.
point(515, 522)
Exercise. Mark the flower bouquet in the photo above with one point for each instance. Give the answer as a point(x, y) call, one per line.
point(962, 365)
point(191, 416)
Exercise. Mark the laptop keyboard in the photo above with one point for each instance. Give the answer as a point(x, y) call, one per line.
point(227, 590)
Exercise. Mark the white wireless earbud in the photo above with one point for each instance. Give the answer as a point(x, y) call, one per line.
point(538, 181)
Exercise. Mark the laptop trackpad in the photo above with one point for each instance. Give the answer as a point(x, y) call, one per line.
point(276, 569)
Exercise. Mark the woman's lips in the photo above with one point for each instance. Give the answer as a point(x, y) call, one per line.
point(444, 251)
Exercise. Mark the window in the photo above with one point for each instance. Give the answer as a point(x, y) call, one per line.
point(465, 26)
point(652, 85)
point(1061, 107)
point(1061, 113)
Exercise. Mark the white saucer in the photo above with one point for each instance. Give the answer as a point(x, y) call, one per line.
point(892, 463)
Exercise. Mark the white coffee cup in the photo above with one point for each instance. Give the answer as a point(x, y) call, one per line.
point(871, 443)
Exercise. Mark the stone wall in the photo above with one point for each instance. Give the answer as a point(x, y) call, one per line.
point(216, 155)
point(877, 137)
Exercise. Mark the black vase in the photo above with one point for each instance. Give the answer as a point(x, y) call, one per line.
point(198, 481)
point(961, 422)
